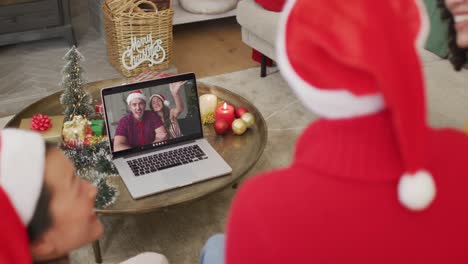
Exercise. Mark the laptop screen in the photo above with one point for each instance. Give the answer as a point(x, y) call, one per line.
point(152, 114)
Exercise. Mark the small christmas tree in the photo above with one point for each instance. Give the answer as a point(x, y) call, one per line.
point(75, 99)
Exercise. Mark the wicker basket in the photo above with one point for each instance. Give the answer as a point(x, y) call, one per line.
point(138, 36)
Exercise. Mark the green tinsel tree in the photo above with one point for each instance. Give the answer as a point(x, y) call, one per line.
point(74, 98)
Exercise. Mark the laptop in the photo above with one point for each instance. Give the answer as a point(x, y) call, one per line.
point(147, 163)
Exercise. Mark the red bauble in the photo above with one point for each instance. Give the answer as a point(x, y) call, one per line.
point(240, 111)
point(221, 126)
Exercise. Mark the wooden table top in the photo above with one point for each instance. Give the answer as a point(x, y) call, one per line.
point(240, 152)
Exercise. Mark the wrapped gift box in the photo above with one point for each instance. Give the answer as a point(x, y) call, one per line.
point(97, 126)
point(53, 134)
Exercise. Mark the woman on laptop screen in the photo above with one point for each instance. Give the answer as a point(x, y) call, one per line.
point(160, 106)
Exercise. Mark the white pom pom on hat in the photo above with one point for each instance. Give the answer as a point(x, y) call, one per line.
point(162, 97)
point(416, 191)
point(22, 167)
point(134, 95)
point(340, 77)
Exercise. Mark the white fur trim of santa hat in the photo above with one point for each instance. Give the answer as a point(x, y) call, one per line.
point(134, 95)
point(162, 97)
point(22, 165)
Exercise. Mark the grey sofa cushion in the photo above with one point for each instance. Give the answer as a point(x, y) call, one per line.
point(259, 21)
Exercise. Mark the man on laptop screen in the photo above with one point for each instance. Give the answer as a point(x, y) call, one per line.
point(140, 126)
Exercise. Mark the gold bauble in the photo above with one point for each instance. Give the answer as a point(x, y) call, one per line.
point(248, 118)
point(239, 126)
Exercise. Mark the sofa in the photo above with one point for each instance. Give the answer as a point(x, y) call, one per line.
point(259, 28)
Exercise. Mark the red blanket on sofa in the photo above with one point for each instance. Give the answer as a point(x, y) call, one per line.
point(271, 5)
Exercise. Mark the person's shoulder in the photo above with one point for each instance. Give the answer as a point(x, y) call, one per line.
point(448, 140)
point(448, 150)
point(124, 119)
point(150, 114)
point(259, 188)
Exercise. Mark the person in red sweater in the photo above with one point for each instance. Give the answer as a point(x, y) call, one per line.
point(370, 181)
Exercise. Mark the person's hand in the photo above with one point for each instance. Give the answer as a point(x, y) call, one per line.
point(175, 87)
point(147, 257)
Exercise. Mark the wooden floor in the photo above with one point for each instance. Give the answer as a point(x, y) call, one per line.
point(210, 48)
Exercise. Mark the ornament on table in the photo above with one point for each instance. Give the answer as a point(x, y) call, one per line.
point(239, 126)
point(99, 108)
point(41, 122)
point(221, 127)
point(89, 134)
point(208, 104)
point(96, 139)
point(225, 111)
point(75, 129)
point(249, 119)
point(52, 134)
point(240, 111)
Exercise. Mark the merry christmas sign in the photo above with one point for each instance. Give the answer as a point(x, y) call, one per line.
point(141, 50)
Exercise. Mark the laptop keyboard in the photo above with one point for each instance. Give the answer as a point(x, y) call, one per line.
point(165, 160)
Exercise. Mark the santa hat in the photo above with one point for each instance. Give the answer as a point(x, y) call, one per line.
point(134, 95)
point(355, 59)
point(14, 245)
point(22, 164)
point(162, 97)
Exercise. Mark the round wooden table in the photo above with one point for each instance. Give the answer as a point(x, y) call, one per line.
point(240, 152)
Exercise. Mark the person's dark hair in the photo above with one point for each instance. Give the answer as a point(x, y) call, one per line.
point(41, 220)
point(166, 114)
point(457, 55)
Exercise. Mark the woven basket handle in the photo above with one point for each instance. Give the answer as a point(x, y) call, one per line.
point(137, 9)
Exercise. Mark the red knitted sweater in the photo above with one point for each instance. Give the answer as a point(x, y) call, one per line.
point(337, 202)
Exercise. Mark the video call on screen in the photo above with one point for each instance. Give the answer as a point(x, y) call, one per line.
point(180, 125)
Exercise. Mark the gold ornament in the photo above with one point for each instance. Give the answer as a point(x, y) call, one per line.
point(248, 118)
point(75, 129)
point(208, 118)
point(239, 126)
point(96, 139)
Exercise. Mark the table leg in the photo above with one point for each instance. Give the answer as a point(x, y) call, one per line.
point(97, 252)
point(263, 66)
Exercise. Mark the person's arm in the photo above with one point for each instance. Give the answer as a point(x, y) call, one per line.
point(120, 143)
point(121, 134)
point(179, 108)
point(246, 238)
point(160, 134)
